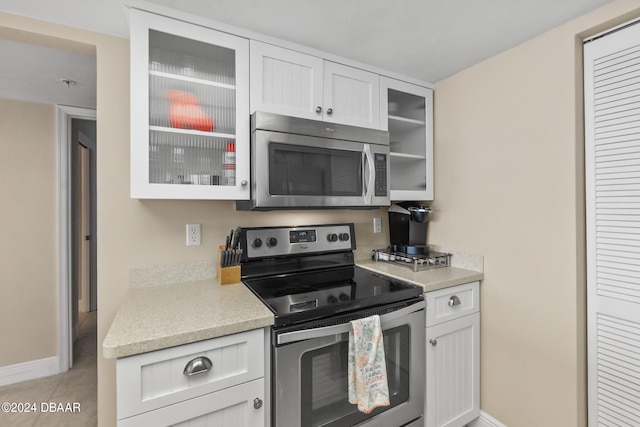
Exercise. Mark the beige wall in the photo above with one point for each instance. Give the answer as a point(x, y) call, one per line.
point(509, 185)
point(28, 252)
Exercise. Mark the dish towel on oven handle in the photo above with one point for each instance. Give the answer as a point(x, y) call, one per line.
point(367, 370)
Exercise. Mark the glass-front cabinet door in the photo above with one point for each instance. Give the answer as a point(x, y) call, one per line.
point(406, 110)
point(189, 111)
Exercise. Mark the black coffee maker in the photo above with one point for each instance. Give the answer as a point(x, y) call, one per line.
point(408, 228)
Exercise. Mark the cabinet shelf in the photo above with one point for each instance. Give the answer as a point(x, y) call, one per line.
point(191, 132)
point(407, 156)
point(407, 120)
point(189, 79)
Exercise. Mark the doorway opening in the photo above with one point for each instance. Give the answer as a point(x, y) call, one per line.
point(78, 240)
point(83, 220)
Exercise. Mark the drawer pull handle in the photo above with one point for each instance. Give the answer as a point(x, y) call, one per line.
point(433, 342)
point(199, 365)
point(257, 403)
point(453, 301)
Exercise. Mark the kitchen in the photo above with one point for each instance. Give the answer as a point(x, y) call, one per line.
point(492, 185)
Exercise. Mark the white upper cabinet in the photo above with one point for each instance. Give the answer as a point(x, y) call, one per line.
point(407, 113)
point(189, 111)
point(291, 83)
point(285, 82)
point(351, 96)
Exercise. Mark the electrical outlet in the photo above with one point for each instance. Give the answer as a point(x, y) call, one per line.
point(193, 234)
point(377, 225)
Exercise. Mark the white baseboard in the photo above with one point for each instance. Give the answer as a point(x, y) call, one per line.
point(485, 420)
point(29, 370)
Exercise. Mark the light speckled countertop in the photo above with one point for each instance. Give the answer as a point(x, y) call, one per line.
point(163, 316)
point(430, 280)
point(167, 315)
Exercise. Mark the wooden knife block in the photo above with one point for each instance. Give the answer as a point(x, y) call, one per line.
point(227, 275)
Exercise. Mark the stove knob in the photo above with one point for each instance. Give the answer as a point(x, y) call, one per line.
point(272, 241)
point(332, 299)
point(344, 297)
point(333, 237)
point(257, 242)
point(344, 236)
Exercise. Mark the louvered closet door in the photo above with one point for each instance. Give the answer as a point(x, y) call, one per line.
point(612, 119)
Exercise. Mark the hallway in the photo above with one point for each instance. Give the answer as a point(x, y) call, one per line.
point(75, 391)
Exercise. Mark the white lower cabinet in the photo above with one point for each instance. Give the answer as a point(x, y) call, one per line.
point(235, 406)
point(214, 383)
point(453, 356)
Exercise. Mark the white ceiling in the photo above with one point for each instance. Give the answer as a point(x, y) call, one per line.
point(34, 73)
point(426, 39)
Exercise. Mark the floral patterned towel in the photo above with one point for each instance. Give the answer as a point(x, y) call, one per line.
point(367, 371)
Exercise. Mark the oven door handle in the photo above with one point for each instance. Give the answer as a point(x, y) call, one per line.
point(307, 334)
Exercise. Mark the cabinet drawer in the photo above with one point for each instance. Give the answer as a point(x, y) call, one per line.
point(152, 380)
point(451, 303)
point(231, 407)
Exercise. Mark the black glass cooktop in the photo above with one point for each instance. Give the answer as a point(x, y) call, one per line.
point(304, 296)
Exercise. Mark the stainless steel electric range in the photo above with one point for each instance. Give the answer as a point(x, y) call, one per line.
point(307, 276)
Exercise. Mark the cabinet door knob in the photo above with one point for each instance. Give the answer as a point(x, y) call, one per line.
point(199, 365)
point(257, 403)
point(453, 301)
point(433, 342)
point(244, 182)
point(318, 109)
point(329, 111)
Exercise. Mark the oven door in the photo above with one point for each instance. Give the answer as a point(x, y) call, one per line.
point(291, 170)
point(310, 375)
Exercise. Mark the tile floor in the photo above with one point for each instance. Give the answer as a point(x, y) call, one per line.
point(76, 386)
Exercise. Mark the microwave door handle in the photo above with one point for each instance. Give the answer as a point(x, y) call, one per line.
point(307, 334)
point(369, 175)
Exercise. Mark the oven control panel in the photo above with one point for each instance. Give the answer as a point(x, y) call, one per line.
point(263, 242)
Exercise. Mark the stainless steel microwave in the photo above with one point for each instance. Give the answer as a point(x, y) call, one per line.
point(307, 164)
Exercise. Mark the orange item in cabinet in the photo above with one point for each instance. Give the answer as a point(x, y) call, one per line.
point(185, 112)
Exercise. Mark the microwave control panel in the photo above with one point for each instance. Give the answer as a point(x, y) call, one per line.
point(380, 163)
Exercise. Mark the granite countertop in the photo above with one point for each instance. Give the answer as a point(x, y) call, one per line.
point(167, 315)
point(430, 280)
point(162, 316)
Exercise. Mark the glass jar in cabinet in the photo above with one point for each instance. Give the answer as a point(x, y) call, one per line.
point(189, 111)
point(407, 113)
